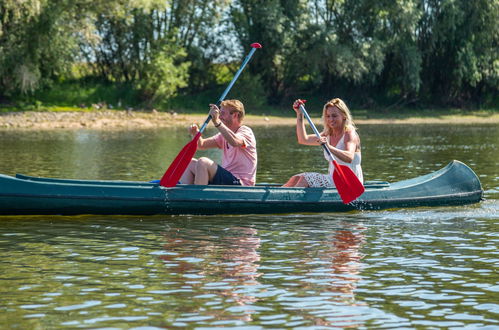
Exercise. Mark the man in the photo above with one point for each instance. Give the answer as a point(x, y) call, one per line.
point(238, 143)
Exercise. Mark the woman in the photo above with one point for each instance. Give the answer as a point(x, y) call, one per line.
point(339, 136)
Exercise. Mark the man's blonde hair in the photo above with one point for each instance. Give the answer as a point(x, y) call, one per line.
point(235, 106)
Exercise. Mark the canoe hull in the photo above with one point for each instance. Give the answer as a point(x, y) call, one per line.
point(456, 184)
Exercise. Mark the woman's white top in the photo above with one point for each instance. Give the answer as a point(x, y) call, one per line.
point(354, 165)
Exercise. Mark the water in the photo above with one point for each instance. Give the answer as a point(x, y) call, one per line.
point(404, 268)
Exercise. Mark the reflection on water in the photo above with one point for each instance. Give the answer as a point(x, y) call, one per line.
point(336, 270)
point(406, 268)
point(225, 268)
point(346, 262)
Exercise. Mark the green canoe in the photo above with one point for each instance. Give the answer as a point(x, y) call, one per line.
point(456, 184)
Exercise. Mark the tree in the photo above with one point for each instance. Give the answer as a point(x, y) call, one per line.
point(36, 43)
point(271, 23)
point(164, 74)
point(129, 35)
point(461, 41)
point(436, 51)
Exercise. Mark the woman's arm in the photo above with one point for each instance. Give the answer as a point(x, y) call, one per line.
point(301, 133)
point(352, 144)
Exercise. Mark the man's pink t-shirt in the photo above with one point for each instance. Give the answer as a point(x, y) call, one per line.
point(240, 161)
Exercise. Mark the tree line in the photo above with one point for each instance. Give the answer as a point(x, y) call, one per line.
point(438, 52)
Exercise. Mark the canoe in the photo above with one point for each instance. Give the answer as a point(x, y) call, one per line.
point(455, 184)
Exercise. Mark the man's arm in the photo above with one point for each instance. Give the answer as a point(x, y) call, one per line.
point(232, 138)
point(202, 143)
point(208, 143)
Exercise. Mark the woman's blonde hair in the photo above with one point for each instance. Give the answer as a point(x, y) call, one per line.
point(235, 106)
point(340, 105)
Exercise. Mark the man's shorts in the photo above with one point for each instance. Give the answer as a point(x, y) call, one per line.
point(224, 177)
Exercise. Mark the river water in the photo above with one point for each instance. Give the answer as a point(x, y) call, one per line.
point(403, 268)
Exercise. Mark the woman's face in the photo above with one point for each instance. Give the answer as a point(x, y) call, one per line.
point(334, 118)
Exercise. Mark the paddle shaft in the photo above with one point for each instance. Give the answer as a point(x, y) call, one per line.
point(180, 163)
point(226, 91)
point(302, 108)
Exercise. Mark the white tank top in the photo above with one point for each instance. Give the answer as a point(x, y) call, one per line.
point(354, 165)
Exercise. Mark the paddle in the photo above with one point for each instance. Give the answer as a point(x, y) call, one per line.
point(347, 183)
point(180, 163)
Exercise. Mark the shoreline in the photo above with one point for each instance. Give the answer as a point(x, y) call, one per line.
point(122, 120)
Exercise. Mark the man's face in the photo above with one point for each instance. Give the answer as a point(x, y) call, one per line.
point(226, 116)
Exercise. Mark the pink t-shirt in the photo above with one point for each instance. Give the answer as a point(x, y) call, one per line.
point(240, 161)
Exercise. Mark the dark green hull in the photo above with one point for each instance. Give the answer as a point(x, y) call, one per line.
point(456, 184)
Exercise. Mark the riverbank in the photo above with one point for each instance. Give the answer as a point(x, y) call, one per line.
point(117, 119)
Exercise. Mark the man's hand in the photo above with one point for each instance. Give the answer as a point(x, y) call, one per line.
point(193, 130)
point(215, 114)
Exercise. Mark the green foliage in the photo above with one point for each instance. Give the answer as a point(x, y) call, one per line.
point(84, 93)
point(370, 52)
point(36, 43)
point(272, 23)
point(249, 89)
point(163, 75)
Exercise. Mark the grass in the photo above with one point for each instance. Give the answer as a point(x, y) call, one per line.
point(88, 95)
point(358, 114)
point(406, 113)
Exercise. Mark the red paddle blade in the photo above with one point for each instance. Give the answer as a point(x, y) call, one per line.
point(347, 183)
point(180, 163)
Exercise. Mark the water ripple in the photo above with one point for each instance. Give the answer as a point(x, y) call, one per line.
point(417, 268)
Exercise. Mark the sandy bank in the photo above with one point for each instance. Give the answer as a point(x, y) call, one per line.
point(143, 120)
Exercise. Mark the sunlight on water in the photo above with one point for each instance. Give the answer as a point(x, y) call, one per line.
point(280, 271)
point(403, 268)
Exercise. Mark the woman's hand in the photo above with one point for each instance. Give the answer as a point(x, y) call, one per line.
point(325, 141)
point(296, 106)
point(322, 140)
